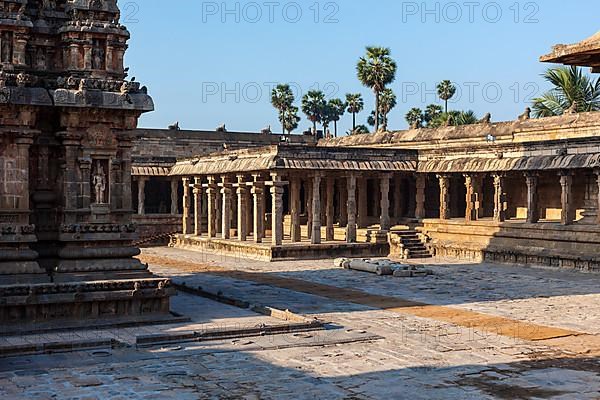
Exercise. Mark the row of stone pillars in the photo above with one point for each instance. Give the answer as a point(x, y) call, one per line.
point(219, 192)
point(474, 183)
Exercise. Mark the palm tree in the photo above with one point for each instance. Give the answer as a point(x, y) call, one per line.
point(466, 118)
point(313, 105)
point(360, 130)
point(282, 99)
point(432, 112)
point(446, 90)
point(414, 117)
point(572, 90)
point(355, 105)
point(376, 70)
point(371, 119)
point(291, 119)
point(387, 102)
point(336, 108)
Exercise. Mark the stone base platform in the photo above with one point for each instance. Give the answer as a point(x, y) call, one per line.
point(288, 251)
point(545, 244)
point(38, 304)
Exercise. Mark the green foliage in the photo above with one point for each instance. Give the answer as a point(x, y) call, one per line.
point(314, 106)
point(572, 90)
point(376, 70)
point(282, 98)
point(446, 91)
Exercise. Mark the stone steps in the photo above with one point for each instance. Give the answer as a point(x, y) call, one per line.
point(408, 244)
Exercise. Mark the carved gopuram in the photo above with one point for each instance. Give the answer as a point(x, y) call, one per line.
point(67, 120)
point(292, 201)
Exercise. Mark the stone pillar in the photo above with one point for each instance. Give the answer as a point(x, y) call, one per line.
point(198, 206)
point(242, 206)
point(142, 195)
point(351, 206)
point(186, 206)
point(533, 215)
point(174, 197)
point(384, 185)
point(444, 196)
point(85, 166)
point(258, 193)
point(363, 207)
point(316, 210)
point(295, 210)
point(211, 210)
point(397, 198)
point(420, 196)
point(23, 143)
point(472, 211)
point(71, 143)
point(568, 209)
point(343, 201)
point(87, 56)
point(127, 200)
point(277, 216)
point(226, 192)
point(330, 210)
point(309, 195)
point(500, 204)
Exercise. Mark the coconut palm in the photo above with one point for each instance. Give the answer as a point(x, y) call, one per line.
point(313, 105)
point(572, 90)
point(355, 105)
point(454, 118)
point(415, 117)
point(282, 99)
point(336, 108)
point(376, 70)
point(446, 90)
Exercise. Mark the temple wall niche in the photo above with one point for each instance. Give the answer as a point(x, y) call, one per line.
point(12, 178)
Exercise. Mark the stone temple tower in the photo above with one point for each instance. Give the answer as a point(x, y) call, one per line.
point(67, 115)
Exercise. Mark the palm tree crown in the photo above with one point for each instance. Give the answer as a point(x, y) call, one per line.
point(355, 105)
point(282, 98)
point(376, 70)
point(314, 106)
point(446, 90)
point(336, 108)
point(572, 89)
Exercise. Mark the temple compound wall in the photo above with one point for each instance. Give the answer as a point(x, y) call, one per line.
point(67, 126)
point(157, 197)
point(523, 191)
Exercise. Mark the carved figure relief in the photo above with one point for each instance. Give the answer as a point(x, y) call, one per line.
point(99, 183)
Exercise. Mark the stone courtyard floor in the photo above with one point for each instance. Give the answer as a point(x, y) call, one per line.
point(471, 331)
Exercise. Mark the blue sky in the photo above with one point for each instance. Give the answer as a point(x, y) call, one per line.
point(208, 63)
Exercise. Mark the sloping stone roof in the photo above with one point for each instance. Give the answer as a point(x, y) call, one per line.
point(290, 157)
point(584, 54)
point(540, 163)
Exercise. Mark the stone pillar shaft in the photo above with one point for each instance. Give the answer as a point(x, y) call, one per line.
point(258, 193)
point(568, 210)
point(343, 201)
point(142, 195)
point(473, 185)
point(330, 210)
point(277, 216)
point(532, 198)
point(226, 208)
point(384, 185)
point(351, 206)
point(295, 210)
point(420, 196)
point(198, 206)
point(500, 205)
point(242, 206)
point(309, 195)
point(444, 196)
point(363, 207)
point(174, 197)
point(186, 206)
point(316, 210)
